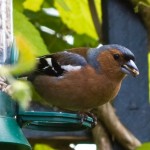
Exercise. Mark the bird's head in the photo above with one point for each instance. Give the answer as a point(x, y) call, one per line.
point(115, 60)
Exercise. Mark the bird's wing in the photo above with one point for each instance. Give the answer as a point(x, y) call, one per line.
point(59, 63)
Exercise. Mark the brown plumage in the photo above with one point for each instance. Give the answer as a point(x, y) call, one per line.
point(83, 78)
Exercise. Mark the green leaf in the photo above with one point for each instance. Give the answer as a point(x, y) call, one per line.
point(136, 2)
point(21, 92)
point(24, 28)
point(84, 40)
point(145, 146)
point(63, 4)
point(48, 3)
point(18, 5)
point(29, 42)
point(33, 5)
point(77, 16)
point(27, 57)
point(52, 42)
point(43, 147)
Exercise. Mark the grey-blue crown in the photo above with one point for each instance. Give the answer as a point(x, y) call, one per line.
point(94, 52)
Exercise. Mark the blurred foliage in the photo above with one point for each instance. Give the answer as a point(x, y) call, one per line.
point(143, 8)
point(79, 18)
point(145, 146)
point(24, 29)
point(33, 5)
point(56, 29)
point(42, 147)
point(137, 2)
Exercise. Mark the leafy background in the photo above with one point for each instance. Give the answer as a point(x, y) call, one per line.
point(47, 26)
point(49, 31)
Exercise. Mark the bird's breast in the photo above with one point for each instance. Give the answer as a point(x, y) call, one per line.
point(77, 90)
point(102, 93)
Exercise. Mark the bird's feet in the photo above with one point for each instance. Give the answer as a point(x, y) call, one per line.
point(84, 115)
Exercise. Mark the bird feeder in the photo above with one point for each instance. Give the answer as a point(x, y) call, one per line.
point(11, 136)
point(11, 133)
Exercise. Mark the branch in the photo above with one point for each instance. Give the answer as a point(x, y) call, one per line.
point(95, 19)
point(101, 138)
point(107, 116)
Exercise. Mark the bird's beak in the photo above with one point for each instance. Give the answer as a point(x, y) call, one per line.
point(130, 68)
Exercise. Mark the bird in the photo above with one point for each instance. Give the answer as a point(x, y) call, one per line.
point(80, 79)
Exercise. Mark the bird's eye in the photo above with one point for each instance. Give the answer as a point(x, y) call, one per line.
point(116, 56)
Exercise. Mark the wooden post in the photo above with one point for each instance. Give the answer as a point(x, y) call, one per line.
point(122, 26)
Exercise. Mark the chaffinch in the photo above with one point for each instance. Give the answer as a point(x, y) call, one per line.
point(81, 79)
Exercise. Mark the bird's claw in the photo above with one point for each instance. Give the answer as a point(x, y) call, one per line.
point(84, 115)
